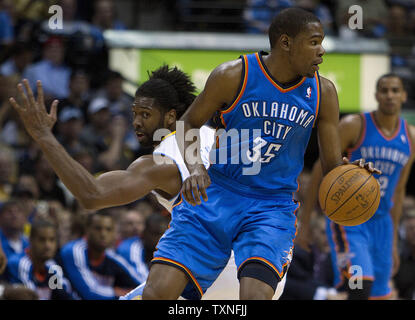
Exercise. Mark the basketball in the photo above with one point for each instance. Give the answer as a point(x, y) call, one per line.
point(349, 195)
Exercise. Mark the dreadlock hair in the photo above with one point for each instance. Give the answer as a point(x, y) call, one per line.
point(170, 87)
point(291, 22)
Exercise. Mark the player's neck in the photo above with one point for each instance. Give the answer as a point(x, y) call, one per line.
point(385, 122)
point(38, 265)
point(279, 68)
point(95, 255)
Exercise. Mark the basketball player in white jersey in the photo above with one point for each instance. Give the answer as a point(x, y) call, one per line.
point(158, 103)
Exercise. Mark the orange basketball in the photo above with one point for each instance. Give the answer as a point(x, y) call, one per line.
point(349, 195)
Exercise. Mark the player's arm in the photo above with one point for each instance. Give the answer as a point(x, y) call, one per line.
point(110, 189)
point(220, 90)
point(327, 127)
point(399, 195)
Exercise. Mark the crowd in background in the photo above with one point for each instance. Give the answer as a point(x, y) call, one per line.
point(94, 125)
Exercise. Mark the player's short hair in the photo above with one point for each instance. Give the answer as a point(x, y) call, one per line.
point(40, 224)
point(389, 75)
point(291, 22)
point(101, 213)
point(170, 87)
point(9, 203)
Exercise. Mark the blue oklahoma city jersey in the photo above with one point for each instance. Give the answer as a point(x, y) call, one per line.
point(388, 154)
point(267, 129)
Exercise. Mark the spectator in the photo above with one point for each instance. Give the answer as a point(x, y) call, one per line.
point(12, 131)
point(95, 271)
point(311, 275)
point(374, 18)
point(86, 158)
point(16, 292)
point(21, 57)
point(104, 16)
point(148, 206)
point(26, 191)
point(49, 186)
point(51, 70)
point(6, 25)
point(12, 222)
point(321, 11)
point(139, 252)
point(104, 135)
point(259, 13)
point(119, 101)
point(64, 220)
point(79, 92)
point(69, 128)
point(397, 24)
point(36, 268)
point(131, 224)
point(405, 277)
point(33, 10)
point(8, 172)
point(120, 104)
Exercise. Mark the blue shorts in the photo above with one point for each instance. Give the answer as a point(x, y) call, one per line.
point(200, 238)
point(364, 250)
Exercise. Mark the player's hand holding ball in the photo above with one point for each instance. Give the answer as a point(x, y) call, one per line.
point(349, 194)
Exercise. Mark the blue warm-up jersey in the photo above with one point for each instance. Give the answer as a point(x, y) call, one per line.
point(266, 132)
point(388, 154)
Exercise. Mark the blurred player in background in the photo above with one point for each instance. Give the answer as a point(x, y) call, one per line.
point(94, 269)
point(36, 268)
point(387, 140)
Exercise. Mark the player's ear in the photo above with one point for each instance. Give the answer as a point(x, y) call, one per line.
point(377, 95)
point(284, 42)
point(404, 96)
point(170, 117)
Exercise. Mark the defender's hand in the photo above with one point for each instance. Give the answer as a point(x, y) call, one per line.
point(195, 185)
point(361, 163)
point(36, 119)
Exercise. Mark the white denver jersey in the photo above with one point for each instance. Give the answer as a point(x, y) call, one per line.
point(168, 147)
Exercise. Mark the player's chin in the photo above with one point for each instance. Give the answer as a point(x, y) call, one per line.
point(145, 141)
point(310, 73)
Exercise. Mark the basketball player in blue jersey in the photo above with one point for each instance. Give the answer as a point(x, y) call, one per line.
point(270, 102)
point(158, 103)
point(387, 140)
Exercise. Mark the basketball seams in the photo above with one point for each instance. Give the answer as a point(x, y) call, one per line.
point(328, 191)
point(345, 201)
point(376, 200)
